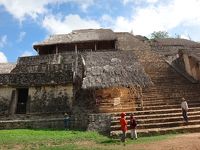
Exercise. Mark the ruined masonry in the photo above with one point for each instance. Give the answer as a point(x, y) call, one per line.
point(94, 75)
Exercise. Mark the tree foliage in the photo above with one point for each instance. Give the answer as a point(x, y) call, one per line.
point(159, 35)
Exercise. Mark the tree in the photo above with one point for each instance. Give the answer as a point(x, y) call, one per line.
point(159, 35)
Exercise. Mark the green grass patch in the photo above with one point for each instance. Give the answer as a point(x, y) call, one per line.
point(65, 140)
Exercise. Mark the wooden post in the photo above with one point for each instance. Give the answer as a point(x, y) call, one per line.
point(76, 49)
point(56, 49)
point(76, 62)
point(95, 46)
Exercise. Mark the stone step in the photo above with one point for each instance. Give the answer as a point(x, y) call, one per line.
point(157, 112)
point(149, 107)
point(115, 121)
point(168, 106)
point(172, 102)
point(111, 110)
point(160, 97)
point(156, 131)
point(152, 116)
point(160, 125)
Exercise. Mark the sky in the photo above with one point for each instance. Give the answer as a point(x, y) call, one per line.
point(26, 22)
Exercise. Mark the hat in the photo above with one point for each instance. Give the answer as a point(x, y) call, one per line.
point(123, 114)
point(183, 99)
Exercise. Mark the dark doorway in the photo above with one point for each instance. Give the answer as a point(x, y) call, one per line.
point(22, 100)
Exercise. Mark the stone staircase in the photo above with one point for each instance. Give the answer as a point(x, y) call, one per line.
point(161, 111)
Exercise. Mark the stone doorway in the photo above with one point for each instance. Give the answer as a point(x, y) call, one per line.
point(22, 100)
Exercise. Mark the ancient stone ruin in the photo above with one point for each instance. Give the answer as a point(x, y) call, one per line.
point(94, 75)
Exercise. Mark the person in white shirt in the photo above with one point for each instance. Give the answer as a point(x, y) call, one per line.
point(184, 107)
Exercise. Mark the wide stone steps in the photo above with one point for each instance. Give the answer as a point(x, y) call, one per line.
point(156, 131)
point(157, 107)
point(160, 124)
point(169, 106)
point(111, 110)
point(171, 102)
point(161, 102)
point(167, 119)
point(161, 115)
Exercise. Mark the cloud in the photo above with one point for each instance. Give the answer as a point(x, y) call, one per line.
point(3, 58)
point(21, 36)
point(160, 16)
point(20, 9)
point(3, 40)
point(59, 25)
point(27, 53)
point(125, 2)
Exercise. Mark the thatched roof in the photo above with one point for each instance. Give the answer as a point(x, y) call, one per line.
point(127, 41)
point(107, 69)
point(171, 46)
point(176, 42)
point(76, 36)
point(6, 67)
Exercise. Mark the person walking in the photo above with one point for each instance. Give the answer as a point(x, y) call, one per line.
point(123, 124)
point(133, 125)
point(184, 107)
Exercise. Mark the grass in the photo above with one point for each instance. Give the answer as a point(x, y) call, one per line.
point(65, 140)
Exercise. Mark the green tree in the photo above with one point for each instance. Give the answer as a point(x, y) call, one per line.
point(159, 35)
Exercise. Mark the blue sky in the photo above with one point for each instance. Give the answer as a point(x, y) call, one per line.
point(25, 22)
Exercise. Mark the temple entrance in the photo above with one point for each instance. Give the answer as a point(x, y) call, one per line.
point(22, 100)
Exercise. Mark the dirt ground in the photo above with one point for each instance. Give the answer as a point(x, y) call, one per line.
point(181, 142)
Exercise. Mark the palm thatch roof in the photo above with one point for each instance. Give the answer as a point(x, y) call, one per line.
point(108, 69)
point(127, 41)
point(176, 42)
point(6, 67)
point(75, 36)
point(171, 46)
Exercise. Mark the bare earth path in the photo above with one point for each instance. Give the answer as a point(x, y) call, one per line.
point(181, 142)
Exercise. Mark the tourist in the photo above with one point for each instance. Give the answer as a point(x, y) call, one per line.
point(184, 107)
point(133, 125)
point(123, 124)
point(66, 121)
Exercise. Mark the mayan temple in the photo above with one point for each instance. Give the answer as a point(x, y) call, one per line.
point(94, 75)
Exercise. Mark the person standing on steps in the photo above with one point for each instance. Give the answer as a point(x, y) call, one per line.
point(184, 107)
point(123, 124)
point(133, 125)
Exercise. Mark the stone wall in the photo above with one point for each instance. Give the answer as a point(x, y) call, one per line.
point(191, 66)
point(47, 59)
point(99, 122)
point(50, 99)
point(5, 99)
point(82, 121)
point(26, 79)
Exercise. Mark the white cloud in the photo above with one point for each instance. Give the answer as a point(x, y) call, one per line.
point(3, 40)
point(160, 16)
point(57, 25)
point(139, 1)
point(3, 58)
point(32, 8)
point(27, 53)
point(21, 36)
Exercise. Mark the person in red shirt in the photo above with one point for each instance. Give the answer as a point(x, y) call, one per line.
point(123, 124)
